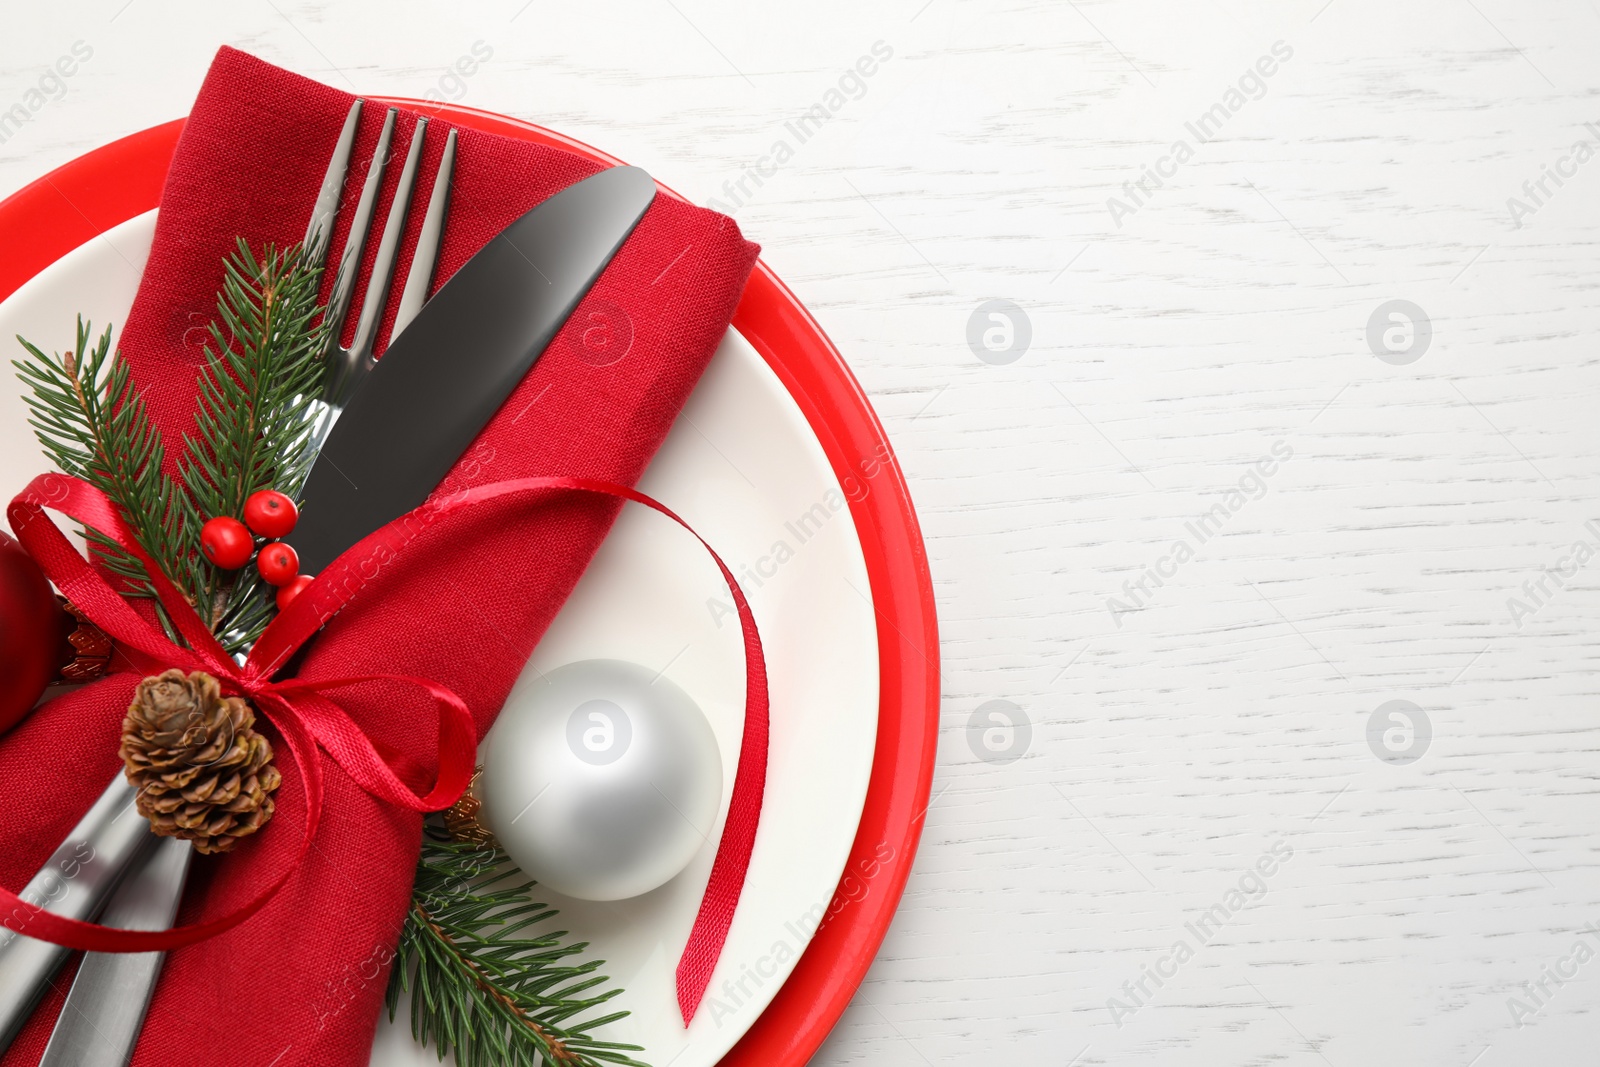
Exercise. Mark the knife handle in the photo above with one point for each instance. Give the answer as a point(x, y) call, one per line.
point(80, 876)
point(100, 1022)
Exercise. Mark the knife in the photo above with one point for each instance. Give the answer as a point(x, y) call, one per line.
point(442, 380)
point(405, 426)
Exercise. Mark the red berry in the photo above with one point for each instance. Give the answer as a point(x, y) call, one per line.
point(270, 514)
point(292, 590)
point(226, 543)
point(278, 563)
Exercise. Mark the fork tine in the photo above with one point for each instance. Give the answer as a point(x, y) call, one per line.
point(321, 222)
point(356, 243)
point(426, 257)
point(377, 295)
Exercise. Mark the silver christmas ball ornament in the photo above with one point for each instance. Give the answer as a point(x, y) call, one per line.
point(601, 779)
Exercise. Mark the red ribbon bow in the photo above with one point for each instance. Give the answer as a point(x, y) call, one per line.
point(306, 717)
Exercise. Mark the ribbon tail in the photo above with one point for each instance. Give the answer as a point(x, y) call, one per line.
point(732, 863)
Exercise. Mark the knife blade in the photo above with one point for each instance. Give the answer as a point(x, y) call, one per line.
point(442, 380)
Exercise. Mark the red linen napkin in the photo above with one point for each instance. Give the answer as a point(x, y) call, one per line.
point(302, 982)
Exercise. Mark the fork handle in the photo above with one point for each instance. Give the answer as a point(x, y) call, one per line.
point(75, 883)
point(100, 1022)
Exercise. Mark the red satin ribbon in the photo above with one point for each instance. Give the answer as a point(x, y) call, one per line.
point(306, 717)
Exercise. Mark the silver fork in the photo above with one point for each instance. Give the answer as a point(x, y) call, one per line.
point(111, 861)
point(349, 366)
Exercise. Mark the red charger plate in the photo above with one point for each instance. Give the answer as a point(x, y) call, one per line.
point(82, 199)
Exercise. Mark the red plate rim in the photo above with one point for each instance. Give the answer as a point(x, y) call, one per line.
point(81, 199)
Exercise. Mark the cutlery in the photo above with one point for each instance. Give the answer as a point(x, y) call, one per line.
point(81, 873)
point(404, 426)
point(113, 835)
point(442, 380)
point(112, 990)
point(350, 366)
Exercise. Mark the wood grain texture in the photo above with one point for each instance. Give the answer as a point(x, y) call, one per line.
point(1172, 347)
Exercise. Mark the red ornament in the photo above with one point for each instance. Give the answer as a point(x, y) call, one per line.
point(278, 563)
point(295, 587)
point(226, 543)
point(33, 632)
point(270, 514)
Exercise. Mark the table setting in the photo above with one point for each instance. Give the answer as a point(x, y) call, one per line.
point(495, 608)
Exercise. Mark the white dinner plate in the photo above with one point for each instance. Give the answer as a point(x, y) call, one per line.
point(743, 468)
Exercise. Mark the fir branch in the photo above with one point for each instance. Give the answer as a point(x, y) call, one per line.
point(94, 425)
point(483, 983)
point(256, 409)
point(257, 406)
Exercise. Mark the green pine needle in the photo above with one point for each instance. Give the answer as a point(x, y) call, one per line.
point(483, 982)
point(256, 410)
point(94, 425)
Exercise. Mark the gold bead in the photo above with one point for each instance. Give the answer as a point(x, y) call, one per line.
point(461, 818)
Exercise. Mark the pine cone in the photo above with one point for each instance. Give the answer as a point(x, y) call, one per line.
point(202, 773)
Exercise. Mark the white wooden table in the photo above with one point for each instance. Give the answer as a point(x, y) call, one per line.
point(1177, 337)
